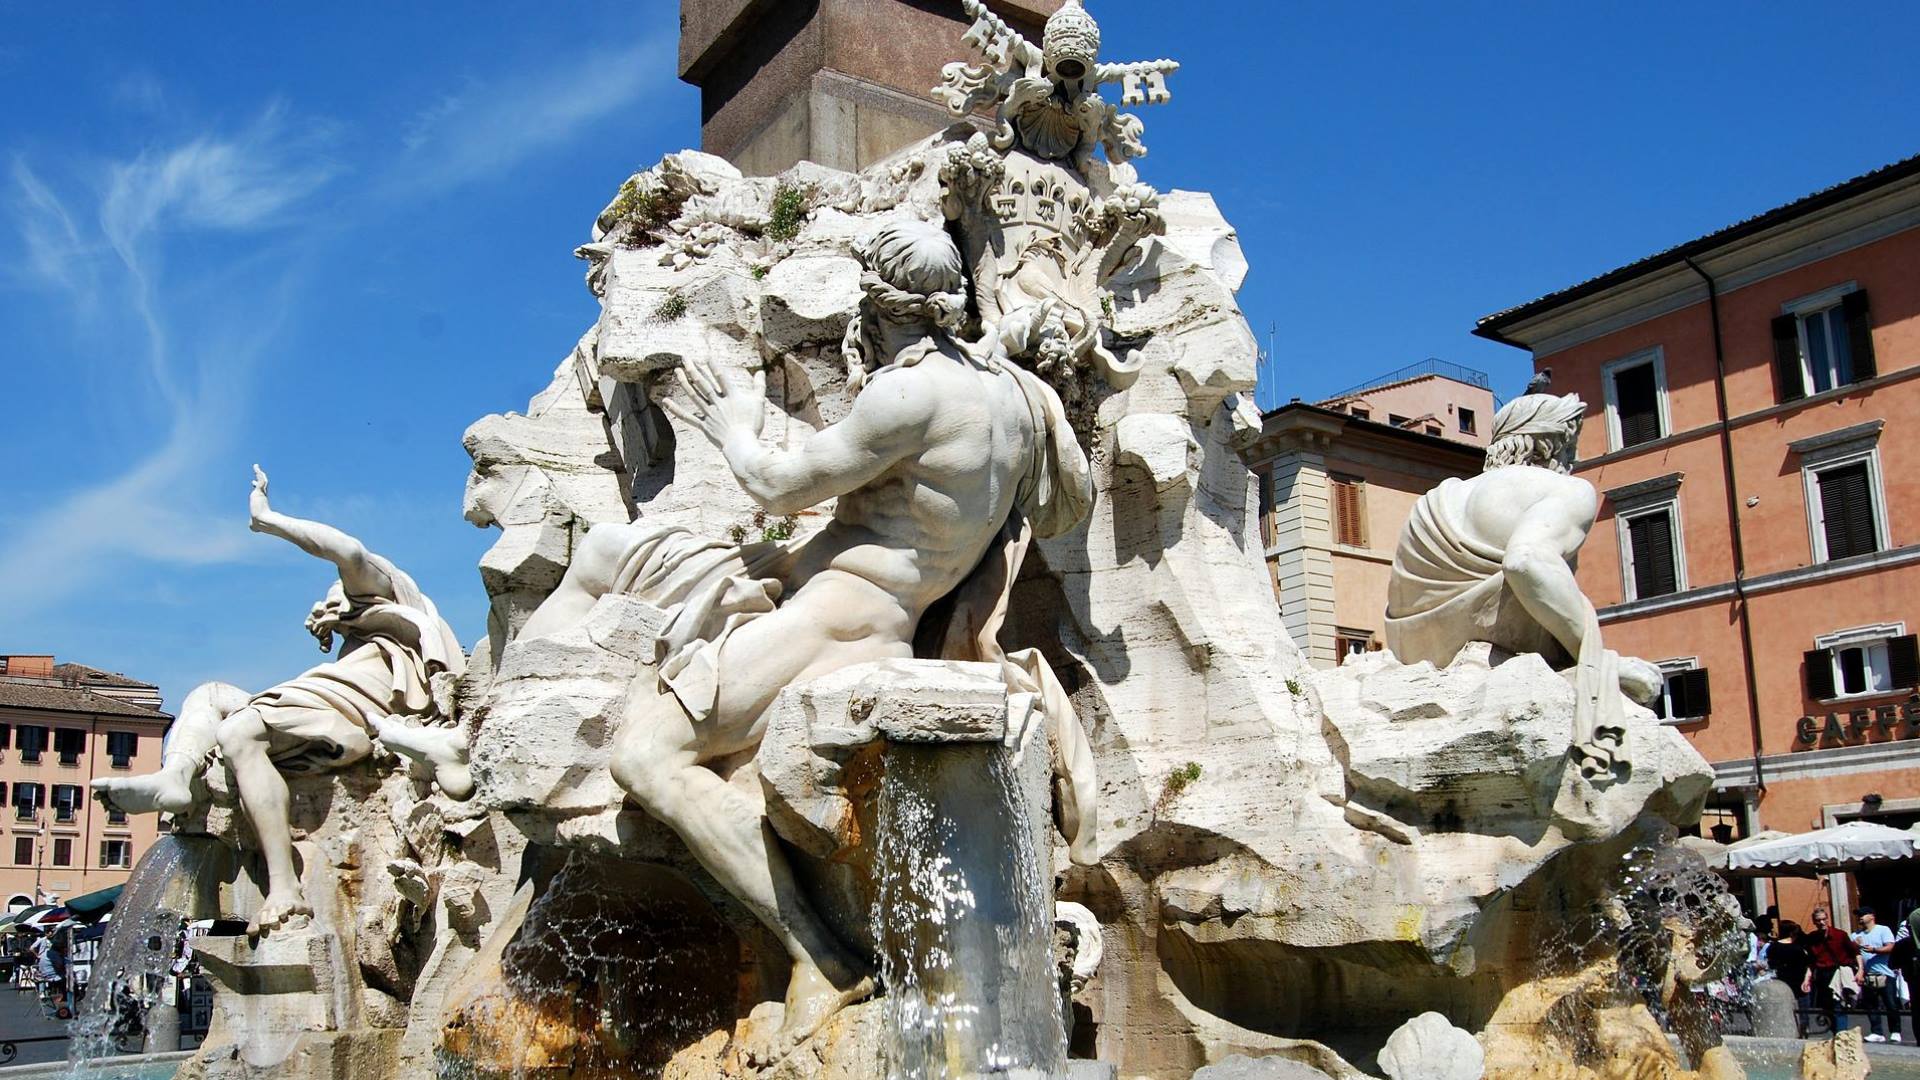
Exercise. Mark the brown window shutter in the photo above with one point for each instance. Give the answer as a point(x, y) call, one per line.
point(1903, 662)
point(1788, 384)
point(1846, 505)
point(1859, 334)
point(1819, 664)
point(1650, 537)
point(1695, 697)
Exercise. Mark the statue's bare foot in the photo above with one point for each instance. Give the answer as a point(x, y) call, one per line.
point(441, 749)
point(812, 1000)
point(169, 791)
point(282, 908)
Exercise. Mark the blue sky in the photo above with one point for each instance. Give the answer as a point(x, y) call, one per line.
point(328, 238)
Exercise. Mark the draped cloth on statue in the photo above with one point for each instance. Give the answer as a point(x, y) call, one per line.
point(1449, 587)
point(709, 589)
point(391, 649)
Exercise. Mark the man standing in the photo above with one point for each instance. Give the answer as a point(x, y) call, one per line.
point(1875, 943)
point(1830, 950)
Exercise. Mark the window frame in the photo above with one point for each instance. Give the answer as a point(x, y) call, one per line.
point(1814, 463)
point(61, 843)
point(1668, 669)
point(1345, 638)
point(1623, 519)
point(125, 845)
point(32, 843)
point(1336, 480)
point(1805, 307)
point(1880, 634)
point(1467, 420)
point(1655, 355)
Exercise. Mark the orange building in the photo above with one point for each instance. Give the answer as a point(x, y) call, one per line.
point(1757, 531)
point(61, 725)
point(1337, 481)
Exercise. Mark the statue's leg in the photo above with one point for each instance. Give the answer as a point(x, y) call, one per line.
point(589, 576)
point(192, 737)
point(657, 760)
point(245, 743)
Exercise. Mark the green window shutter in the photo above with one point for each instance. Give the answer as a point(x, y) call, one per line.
point(1819, 664)
point(1788, 384)
point(1859, 334)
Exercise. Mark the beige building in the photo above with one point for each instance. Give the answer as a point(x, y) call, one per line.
point(1338, 480)
point(61, 725)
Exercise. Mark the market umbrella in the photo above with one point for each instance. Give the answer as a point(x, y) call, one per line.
point(44, 917)
point(1823, 851)
point(91, 907)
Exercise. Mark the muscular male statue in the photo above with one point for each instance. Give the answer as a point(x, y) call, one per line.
point(1491, 559)
point(393, 644)
point(944, 466)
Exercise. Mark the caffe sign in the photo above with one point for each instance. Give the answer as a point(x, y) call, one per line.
point(1899, 721)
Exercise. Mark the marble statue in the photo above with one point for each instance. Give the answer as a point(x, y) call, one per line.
point(949, 461)
point(1491, 558)
point(397, 658)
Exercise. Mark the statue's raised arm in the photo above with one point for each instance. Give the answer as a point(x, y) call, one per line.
point(361, 572)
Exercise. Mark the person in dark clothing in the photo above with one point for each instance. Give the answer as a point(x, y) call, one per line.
point(1830, 949)
point(1788, 960)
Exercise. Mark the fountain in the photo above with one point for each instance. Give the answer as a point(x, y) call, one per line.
point(878, 572)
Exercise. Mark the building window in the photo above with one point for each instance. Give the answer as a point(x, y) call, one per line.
point(6, 736)
point(23, 851)
point(1397, 420)
point(1361, 412)
point(33, 742)
point(1654, 562)
point(68, 743)
point(116, 816)
point(116, 854)
point(66, 802)
point(1845, 513)
point(1686, 696)
point(1823, 342)
point(1863, 662)
point(1349, 497)
point(1354, 642)
point(121, 746)
point(62, 851)
point(27, 800)
point(1636, 389)
point(1469, 423)
point(1262, 480)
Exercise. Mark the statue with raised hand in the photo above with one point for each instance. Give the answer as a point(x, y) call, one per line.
point(951, 458)
point(393, 648)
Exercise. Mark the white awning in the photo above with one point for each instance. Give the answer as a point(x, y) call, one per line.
point(1841, 847)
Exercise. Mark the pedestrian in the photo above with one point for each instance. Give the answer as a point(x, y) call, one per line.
point(1830, 949)
point(1906, 954)
point(1875, 943)
point(50, 970)
point(1788, 960)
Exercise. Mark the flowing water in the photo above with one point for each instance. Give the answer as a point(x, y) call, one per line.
point(163, 892)
point(963, 914)
point(1668, 922)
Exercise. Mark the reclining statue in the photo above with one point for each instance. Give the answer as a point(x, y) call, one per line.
point(1491, 558)
point(395, 652)
point(949, 461)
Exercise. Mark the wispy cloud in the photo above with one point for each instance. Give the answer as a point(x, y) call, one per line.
point(101, 244)
point(485, 128)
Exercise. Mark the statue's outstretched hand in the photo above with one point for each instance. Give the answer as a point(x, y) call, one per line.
point(257, 505)
point(719, 408)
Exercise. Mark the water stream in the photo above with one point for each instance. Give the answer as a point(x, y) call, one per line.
point(167, 887)
point(963, 915)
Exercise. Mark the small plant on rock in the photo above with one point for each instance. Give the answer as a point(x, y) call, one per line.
point(637, 212)
point(1177, 782)
point(672, 306)
point(787, 213)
